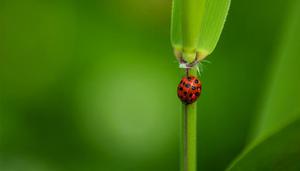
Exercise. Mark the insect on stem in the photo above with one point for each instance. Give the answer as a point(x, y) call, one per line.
point(189, 131)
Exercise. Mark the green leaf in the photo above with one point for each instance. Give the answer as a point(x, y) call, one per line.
point(192, 16)
point(212, 26)
point(196, 26)
point(185, 26)
point(283, 94)
point(275, 141)
point(281, 151)
point(176, 29)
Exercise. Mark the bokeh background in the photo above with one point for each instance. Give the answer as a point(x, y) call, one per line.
point(91, 85)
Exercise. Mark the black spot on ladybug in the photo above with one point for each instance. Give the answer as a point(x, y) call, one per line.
point(187, 85)
point(180, 82)
point(185, 93)
point(180, 88)
point(193, 88)
point(196, 81)
point(191, 95)
point(197, 94)
point(189, 78)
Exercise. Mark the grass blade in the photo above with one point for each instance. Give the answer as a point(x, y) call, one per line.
point(192, 16)
point(213, 23)
point(197, 25)
point(176, 29)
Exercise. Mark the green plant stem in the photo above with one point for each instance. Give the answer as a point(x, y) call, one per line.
point(189, 133)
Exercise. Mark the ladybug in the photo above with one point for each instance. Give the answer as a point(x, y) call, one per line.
point(189, 89)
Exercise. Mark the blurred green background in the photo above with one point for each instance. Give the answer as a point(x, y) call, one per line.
point(91, 85)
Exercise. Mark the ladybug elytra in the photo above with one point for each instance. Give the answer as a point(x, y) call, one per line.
point(189, 89)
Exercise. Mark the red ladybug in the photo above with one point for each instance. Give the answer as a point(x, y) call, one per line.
point(189, 89)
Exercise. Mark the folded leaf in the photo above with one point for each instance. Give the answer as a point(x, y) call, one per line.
point(176, 29)
point(213, 23)
point(196, 26)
